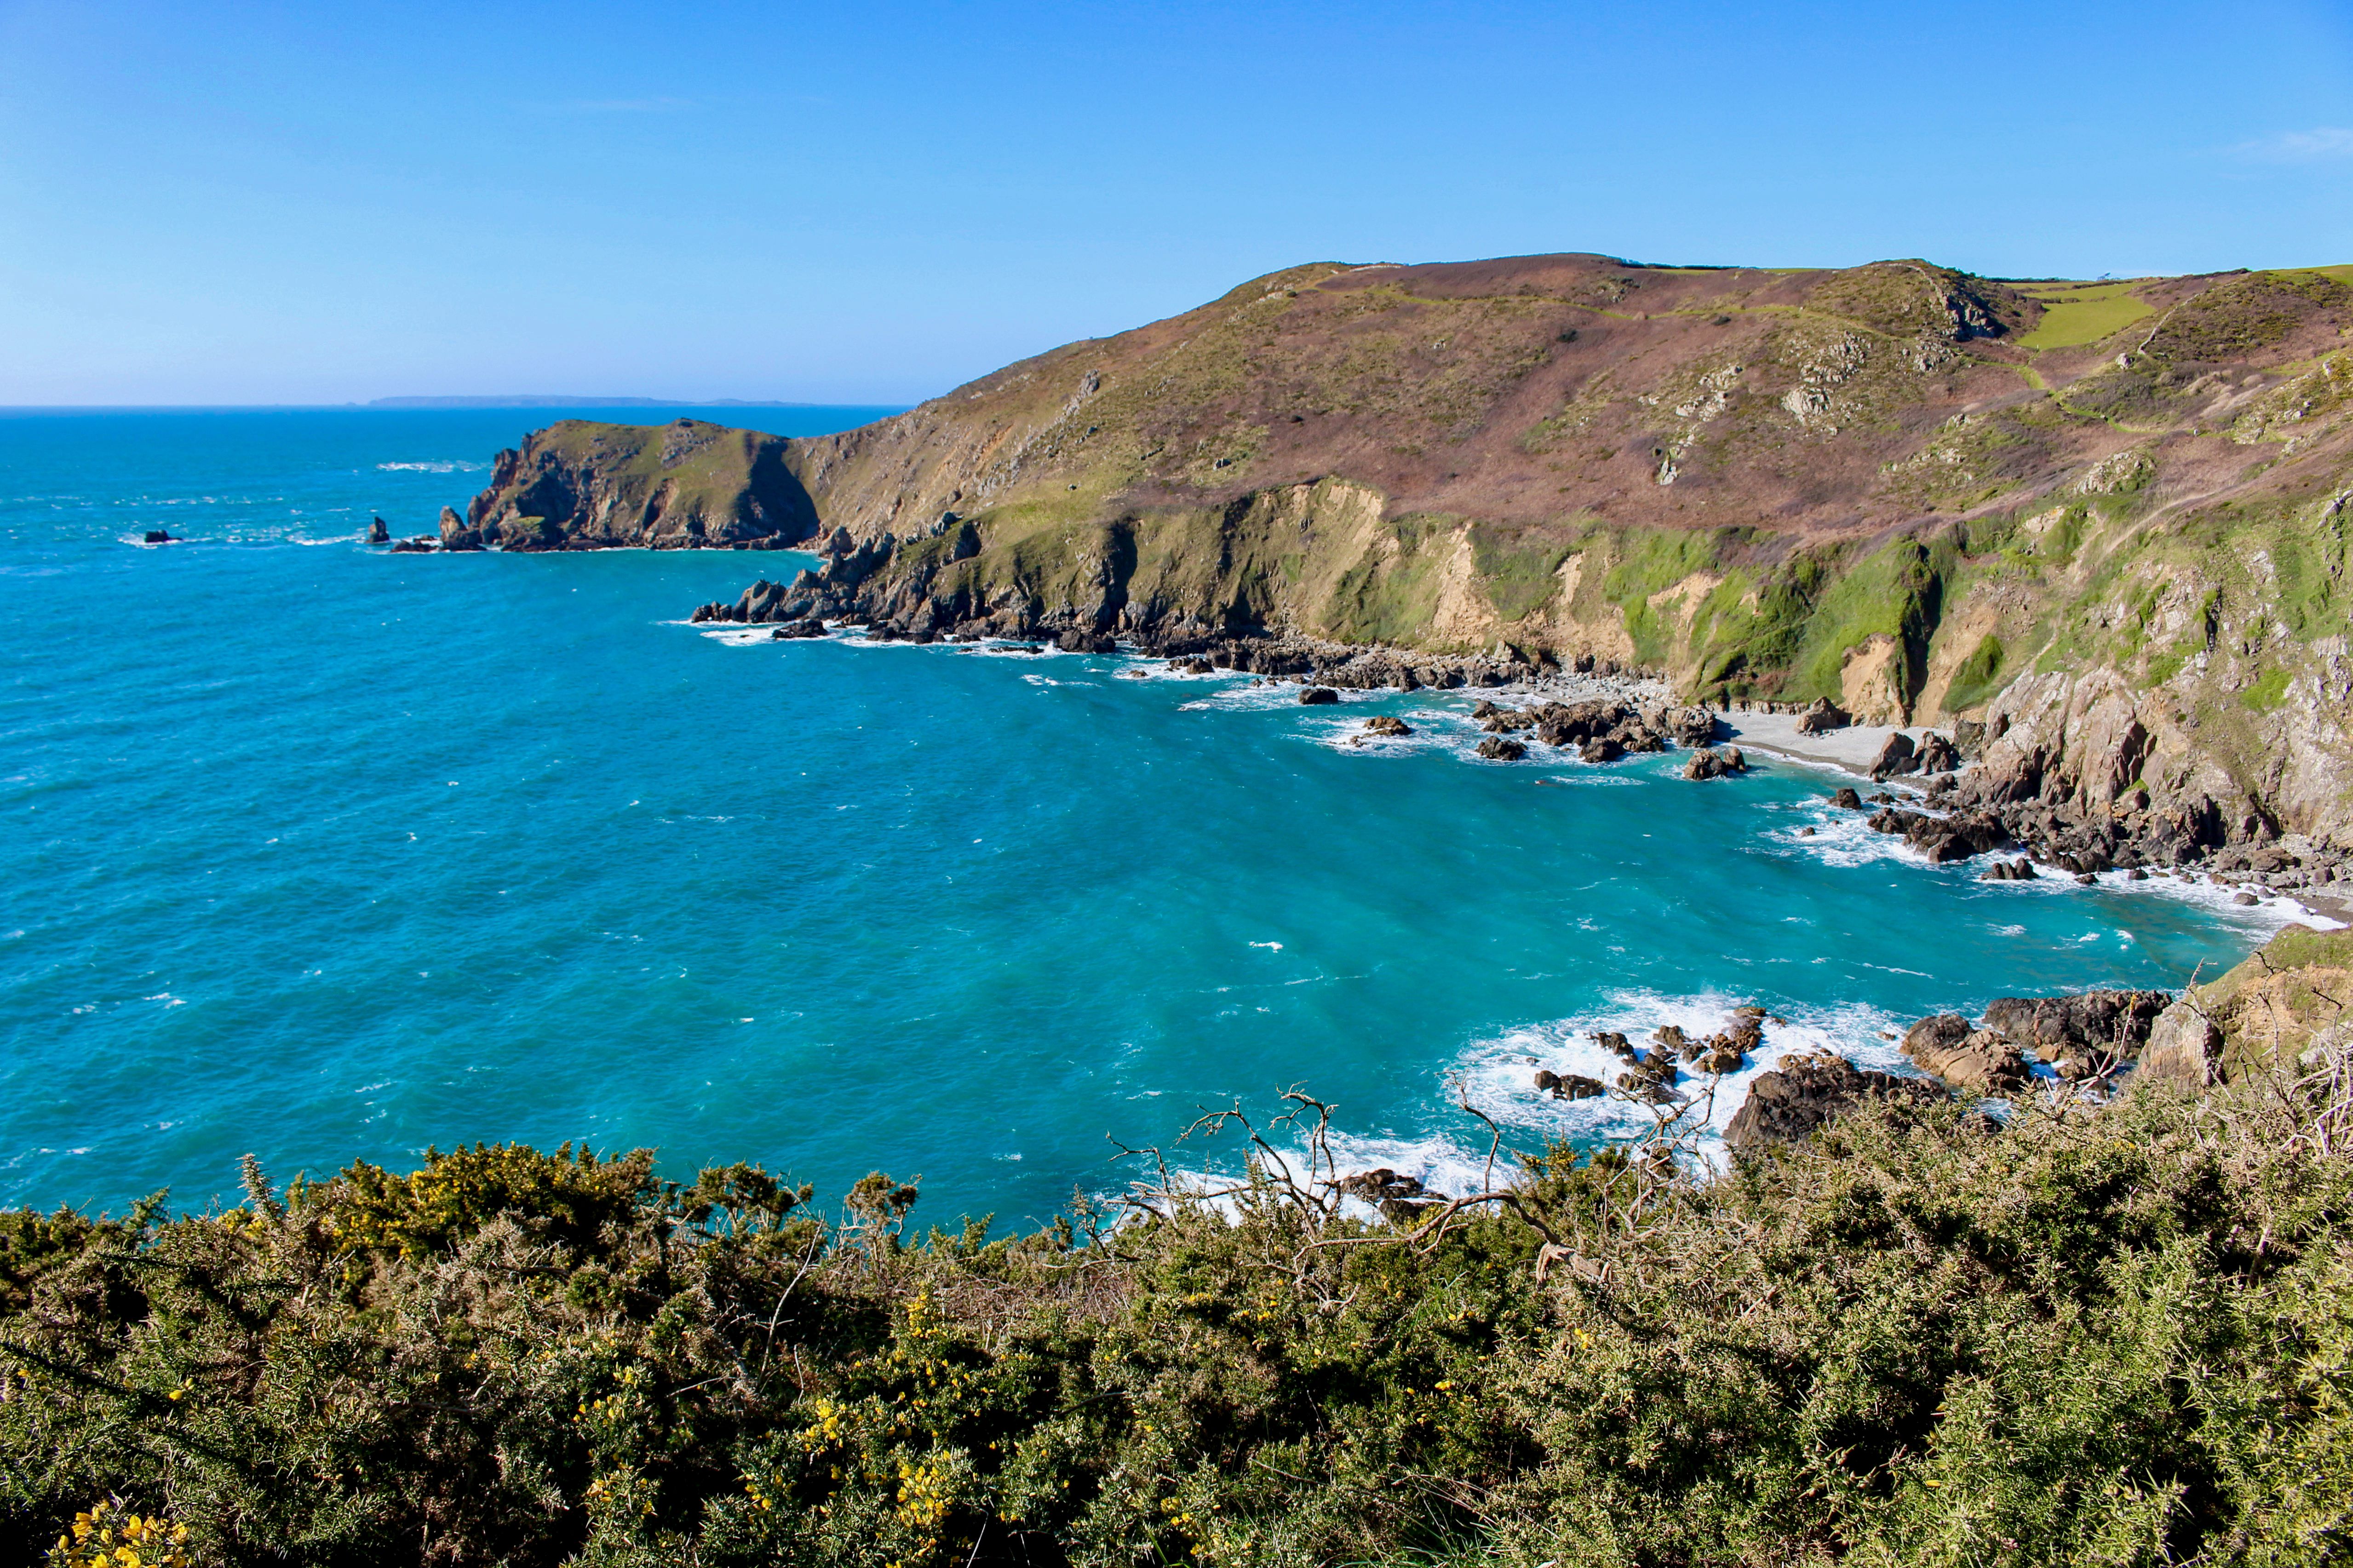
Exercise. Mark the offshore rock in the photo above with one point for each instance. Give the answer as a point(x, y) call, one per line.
point(1569, 1085)
point(1498, 749)
point(455, 534)
point(379, 532)
point(1716, 763)
point(1318, 697)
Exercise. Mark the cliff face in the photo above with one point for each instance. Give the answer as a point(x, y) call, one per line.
point(579, 485)
point(2106, 519)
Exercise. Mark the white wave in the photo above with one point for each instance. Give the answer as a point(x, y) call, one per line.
point(1498, 1075)
point(435, 466)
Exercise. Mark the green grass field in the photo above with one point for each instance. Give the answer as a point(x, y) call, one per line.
point(2082, 313)
point(2343, 274)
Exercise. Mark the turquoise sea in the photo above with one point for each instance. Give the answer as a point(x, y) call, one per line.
point(324, 854)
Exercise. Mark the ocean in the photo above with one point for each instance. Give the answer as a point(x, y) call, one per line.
point(323, 854)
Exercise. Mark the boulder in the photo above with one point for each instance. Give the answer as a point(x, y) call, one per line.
point(2019, 870)
point(420, 545)
point(379, 532)
point(161, 536)
point(1896, 756)
point(1498, 750)
point(1846, 797)
point(811, 628)
point(1693, 726)
point(1703, 765)
point(1937, 754)
point(1823, 715)
point(1803, 1092)
point(1318, 696)
point(1387, 724)
point(1078, 641)
point(1601, 749)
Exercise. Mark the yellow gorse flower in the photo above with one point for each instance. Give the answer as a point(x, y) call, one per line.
point(102, 1539)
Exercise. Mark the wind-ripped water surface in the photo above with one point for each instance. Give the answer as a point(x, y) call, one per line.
point(325, 854)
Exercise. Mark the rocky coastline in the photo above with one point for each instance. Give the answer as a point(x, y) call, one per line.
point(2280, 1012)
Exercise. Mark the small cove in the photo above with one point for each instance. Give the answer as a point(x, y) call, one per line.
point(324, 854)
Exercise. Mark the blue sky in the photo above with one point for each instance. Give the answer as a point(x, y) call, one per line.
point(235, 202)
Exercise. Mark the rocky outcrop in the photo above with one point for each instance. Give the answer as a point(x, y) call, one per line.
point(1978, 1060)
point(579, 485)
point(1958, 837)
point(1804, 1092)
point(2292, 999)
point(2088, 1024)
point(2085, 1036)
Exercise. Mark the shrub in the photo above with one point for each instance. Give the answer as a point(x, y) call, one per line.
point(2114, 1333)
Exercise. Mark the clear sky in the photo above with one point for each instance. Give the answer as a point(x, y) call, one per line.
point(232, 203)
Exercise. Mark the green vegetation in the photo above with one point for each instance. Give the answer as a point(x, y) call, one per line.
point(2118, 1336)
point(2268, 691)
point(1977, 678)
point(1516, 571)
point(2085, 314)
point(1895, 592)
point(2243, 315)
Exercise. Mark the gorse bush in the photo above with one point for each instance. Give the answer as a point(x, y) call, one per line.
point(2110, 1334)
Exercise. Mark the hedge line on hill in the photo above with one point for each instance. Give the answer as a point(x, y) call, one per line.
point(2116, 1334)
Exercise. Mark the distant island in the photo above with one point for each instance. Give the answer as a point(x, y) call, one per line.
point(566, 400)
